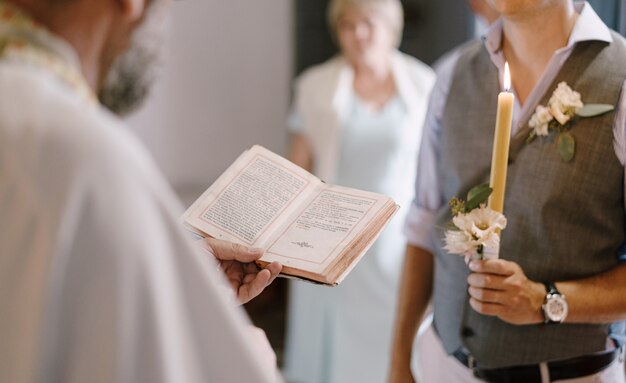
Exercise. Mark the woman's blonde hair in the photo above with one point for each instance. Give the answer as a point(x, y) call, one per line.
point(390, 10)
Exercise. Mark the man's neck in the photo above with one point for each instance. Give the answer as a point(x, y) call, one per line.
point(530, 40)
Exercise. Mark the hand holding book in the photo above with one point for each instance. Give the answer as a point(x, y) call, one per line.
point(238, 264)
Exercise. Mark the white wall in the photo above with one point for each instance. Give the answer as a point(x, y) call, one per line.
point(225, 87)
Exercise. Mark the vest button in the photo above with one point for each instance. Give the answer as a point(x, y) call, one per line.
point(467, 332)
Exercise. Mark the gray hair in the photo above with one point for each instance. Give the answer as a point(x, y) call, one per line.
point(132, 74)
point(390, 10)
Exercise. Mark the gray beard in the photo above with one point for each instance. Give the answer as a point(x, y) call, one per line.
point(132, 74)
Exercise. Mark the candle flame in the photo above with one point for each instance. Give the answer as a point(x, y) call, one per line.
point(507, 77)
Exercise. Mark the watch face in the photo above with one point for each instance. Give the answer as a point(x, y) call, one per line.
point(556, 308)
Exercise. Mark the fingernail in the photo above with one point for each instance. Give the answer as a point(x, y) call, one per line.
point(473, 265)
point(255, 250)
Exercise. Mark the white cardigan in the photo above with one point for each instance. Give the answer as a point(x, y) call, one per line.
point(322, 97)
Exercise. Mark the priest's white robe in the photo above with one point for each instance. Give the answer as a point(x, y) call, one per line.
point(98, 282)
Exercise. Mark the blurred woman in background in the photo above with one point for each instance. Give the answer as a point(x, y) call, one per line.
point(357, 122)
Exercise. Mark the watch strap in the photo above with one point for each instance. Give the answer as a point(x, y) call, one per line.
point(551, 288)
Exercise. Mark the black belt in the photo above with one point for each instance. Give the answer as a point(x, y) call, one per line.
point(562, 369)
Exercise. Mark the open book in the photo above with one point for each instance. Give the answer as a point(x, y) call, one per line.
point(317, 231)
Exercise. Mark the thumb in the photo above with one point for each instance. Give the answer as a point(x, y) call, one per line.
point(228, 251)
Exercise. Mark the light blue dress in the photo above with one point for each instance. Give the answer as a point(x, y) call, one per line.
point(343, 334)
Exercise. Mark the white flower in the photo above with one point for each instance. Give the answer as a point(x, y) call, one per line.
point(476, 228)
point(540, 120)
point(459, 242)
point(564, 103)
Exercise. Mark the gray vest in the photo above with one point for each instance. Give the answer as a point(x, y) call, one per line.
point(565, 220)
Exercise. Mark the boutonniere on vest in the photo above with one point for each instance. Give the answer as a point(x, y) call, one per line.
point(564, 108)
point(474, 231)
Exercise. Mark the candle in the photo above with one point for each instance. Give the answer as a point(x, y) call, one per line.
point(501, 140)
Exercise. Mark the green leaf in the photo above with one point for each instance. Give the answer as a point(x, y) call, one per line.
point(476, 190)
point(567, 146)
point(476, 196)
point(592, 110)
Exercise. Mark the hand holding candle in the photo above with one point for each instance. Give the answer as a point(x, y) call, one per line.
point(501, 140)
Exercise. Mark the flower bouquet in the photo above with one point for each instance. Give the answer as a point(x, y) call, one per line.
point(474, 231)
point(564, 108)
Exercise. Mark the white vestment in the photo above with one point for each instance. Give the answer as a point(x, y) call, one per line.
point(98, 282)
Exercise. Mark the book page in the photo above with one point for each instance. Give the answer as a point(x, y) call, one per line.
point(324, 227)
point(244, 204)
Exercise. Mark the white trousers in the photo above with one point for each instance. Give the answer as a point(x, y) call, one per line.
point(435, 366)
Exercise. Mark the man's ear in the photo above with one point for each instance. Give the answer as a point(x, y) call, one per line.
point(132, 10)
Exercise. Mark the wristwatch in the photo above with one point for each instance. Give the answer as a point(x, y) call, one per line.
point(554, 306)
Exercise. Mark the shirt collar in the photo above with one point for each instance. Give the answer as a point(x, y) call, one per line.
point(24, 40)
point(37, 34)
point(588, 27)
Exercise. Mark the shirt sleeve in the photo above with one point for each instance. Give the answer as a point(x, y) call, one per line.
point(420, 219)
